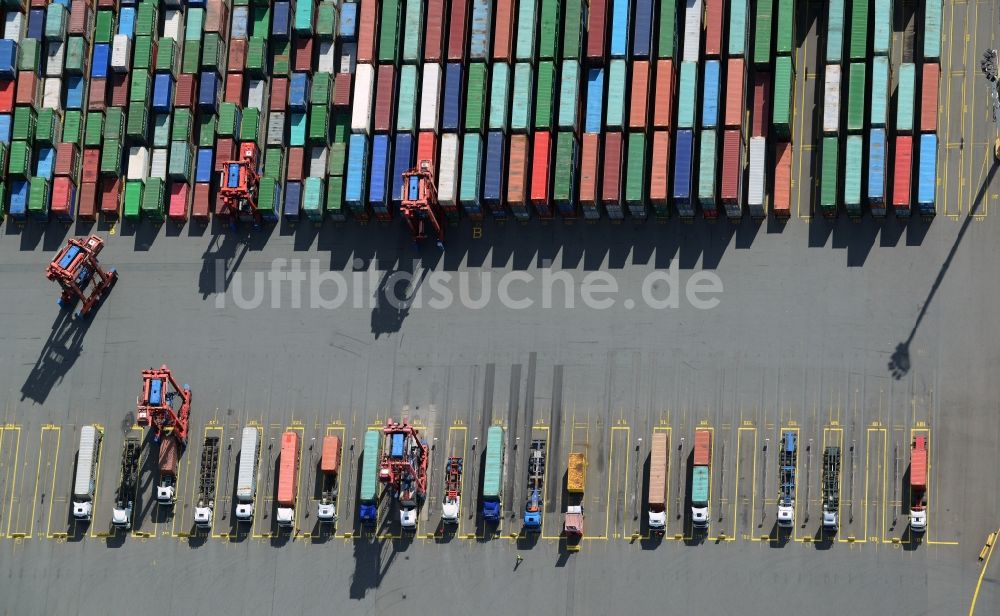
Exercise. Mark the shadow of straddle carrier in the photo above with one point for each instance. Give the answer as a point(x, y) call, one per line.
point(393, 299)
point(899, 363)
point(58, 354)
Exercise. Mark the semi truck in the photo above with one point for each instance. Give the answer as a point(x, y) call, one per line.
point(86, 472)
point(700, 493)
point(288, 472)
point(831, 488)
point(536, 487)
point(657, 496)
point(918, 484)
point(368, 504)
point(246, 478)
point(451, 505)
point(204, 510)
point(493, 474)
point(329, 466)
point(787, 458)
point(166, 489)
point(121, 514)
point(576, 481)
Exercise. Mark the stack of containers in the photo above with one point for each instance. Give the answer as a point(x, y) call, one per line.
point(663, 93)
point(687, 110)
point(608, 76)
point(343, 47)
point(63, 159)
point(76, 57)
point(784, 100)
point(243, 119)
point(709, 141)
point(881, 81)
point(132, 53)
point(833, 76)
point(18, 60)
point(903, 153)
point(547, 85)
point(857, 92)
point(930, 77)
point(760, 117)
point(501, 78)
point(104, 136)
point(8, 73)
point(567, 146)
point(476, 101)
point(173, 123)
point(362, 100)
point(641, 76)
point(734, 136)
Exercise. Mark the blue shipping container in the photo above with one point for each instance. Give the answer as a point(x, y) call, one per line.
point(378, 187)
point(710, 108)
point(298, 92)
point(619, 28)
point(203, 167)
point(163, 93)
point(643, 28)
point(401, 161)
point(927, 180)
point(595, 100)
point(126, 21)
point(281, 21)
point(18, 199)
point(76, 87)
point(348, 27)
point(479, 37)
point(495, 173)
point(8, 58)
point(451, 117)
point(46, 160)
point(36, 24)
point(682, 167)
point(293, 200)
point(876, 167)
point(208, 91)
point(5, 124)
point(238, 29)
point(100, 60)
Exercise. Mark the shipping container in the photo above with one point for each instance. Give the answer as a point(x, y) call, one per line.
point(876, 172)
point(541, 173)
point(611, 184)
point(565, 165)
point(882, 41)
point(782, 203)
point(905, 89)
point(517, 178)
point(663, 98)
point(932, 30)
point(642, 39)
point(590, 150)
point(430, 97)
point(288, 468)
point(527, 24)
point(448, 177)
point(687, 95)
point(520, 108)
point(433, 32)
point(495, 167)
point(386, 97)
point(635, 175)
point(659, 173)
point(929, 97)
point(638, 107)
point(926, 178)
point(853, 162)
point(708, 154)
point(902, 175)
point(683, 173)
point(413, 30)
point(756, 188)
point(503, 36)
point(710, 103)
point(763, 24)
point(693, 12)
point(784, 97)
point(831, 100)
point(615, 115)
point(409, 86)
point(470, 184)
point(388, 35)
point(475, 97)
point(735, 93)
point(880, 91)
point(784, 41)
point(760, 117)
point(451, 116)
point(859, 30)
point(493, 469)
point(357, 175)
point(364, 89)
point(545, 95)
point(666, 41)
point(378, 177)
point(714, 15)
point(731, 190)
point(856, 94)
point(620, 14)
point(569, 96)
point(737, 43)
point(499, 117)
point(479, 33)
point(596, 29)
point(457, 26)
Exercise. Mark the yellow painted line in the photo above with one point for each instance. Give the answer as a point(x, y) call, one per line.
point(753, 475)
point(182, 481)
point(618, 480)
point(52, 488)
point(38, 474)
point(13, 489)
point(982, 574)
point(943, 187)
point(868, 440)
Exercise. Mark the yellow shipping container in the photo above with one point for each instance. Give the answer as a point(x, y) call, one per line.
point(577, 478)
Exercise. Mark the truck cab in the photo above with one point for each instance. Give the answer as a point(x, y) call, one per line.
point(918, 520)
point(573, 521)
point(408, 516)
point(786, 514)
point(165, 493)
point(285, 517)
point(244, 512)
point(699, 516)
point(203, 516)
point(491, 510)
point(830, 521)
point(449, 511)
point(326, 512)
point(122, 517)
point(658, 521)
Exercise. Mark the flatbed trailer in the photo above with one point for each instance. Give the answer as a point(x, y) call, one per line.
point(204, 511)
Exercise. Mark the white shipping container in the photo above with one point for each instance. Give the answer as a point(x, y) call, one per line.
point(448, 174)
point(158, 166)
point(317, 161)
point(240, 18)
point(246, 478)
point(138, 163)
point(692, 30)
point(13, 24)
point(173, 23)
point(121, 53)
point(327, 58)
point(430, 97)
point(55, 58)
point(90, 440)
point(361, 109)
point(276, 128)
point(52, 93)
point(831, 99)
point(255, 94)
point(755, 191)
point(348, 58)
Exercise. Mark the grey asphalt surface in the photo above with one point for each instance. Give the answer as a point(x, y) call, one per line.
point(854, 332)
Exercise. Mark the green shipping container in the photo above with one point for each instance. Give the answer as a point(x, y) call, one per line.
point(527, 14)
point(312, 198)
point(270, 199)
point(369, 469)
point(140, 86)
point(133, 200)
point(493, 471)
point(114, 123)
point(880, 91)
point(785, 39)
point(388, 39)
point(94, 132)
point(24, 124)
point(38, 197)
point(206, 130)
point(229, 115)
point(161, 130)
point(852, 174)
point(303, 17)
point(146, 19)
point(319, 124)
point(520, 109)
point(143, 51)
point(413, 31)
point(737, 27)
point(635, 169)
point(499, 96)
point(72, 126)
point(184, 124)
point(321, 88)
point(256, 56)
point(904, 97)
point(565, 163)
point(260, 17)
point(687, 95)
point(152, 199)
point(274, 163)
point(335, 199)
point(666, 44)
point(341, 123)
point(549, 35)
point(835, 32)
point(19, 165)
point(475, 95)
point(544, 98)
point(472, 169)
point(137, 126)
point(614, 114)
point(49, 129)
point(856, 97)
point(699, 486)
point(212, 52)
point(326, 20)
point(282, 58)
point(191, 57)
point(55, 22)
point(762, 33)
point(859, 29)
point(828, 176)
point(784, 96)
point(166, 57)
point(29, 54)
point(574, 31)
point(337, 160)
point(250, 125)
point(111, 157)
point(706, 168)
point(409, 92)
point(104, 26)
point(569, 93)
point(76, 55)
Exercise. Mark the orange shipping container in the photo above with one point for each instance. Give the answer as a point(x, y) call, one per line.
point(279, 93)
point(367, 20)
point(713, 27)
point(427, 149)
point(200, 202)
point(234, 89)
point(611, 190)
point(782, 178)
point(901, 172)
point(735, 89)
point(589, 151)
point(288, 468)
point(111, 191)
point(296, 162)
point(503, 34)
point(732, 167)
point(330, 462)
point(929, 97)
point(640, 94)
point(702, 447)
point(540, 168)
point(27, 88)
point(303, 53)
point(186, 91)
point(87, 209)
point(659, 167)
point(663, 98)
point(517, 180)
point(237, 55)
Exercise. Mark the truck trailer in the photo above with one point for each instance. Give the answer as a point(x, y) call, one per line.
point(451, 505)
point(700, 493)
point(657, 496)
point(121, 515)
point(576, 481)
point(204, 511)
point(787, 462)
point(535, 488)
point(169, 458)
point(831, 488)
point(288, 472)
point(493, 474)
point(368, 504)
point(246, 479)
point(918, 484)
point(86, 472)
point(329, 466)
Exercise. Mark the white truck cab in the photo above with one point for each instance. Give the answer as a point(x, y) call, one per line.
point(122, 518)
point(918, 520)
point(408, 516)
point(326, 512)
point(699, 516)
point(244, 512)
point(786, 515)
point(449, 511)
point(830, 522)
point(285, 517)
point(203, 517)
point(657, 520)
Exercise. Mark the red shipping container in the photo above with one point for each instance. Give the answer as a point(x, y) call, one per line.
point(37, 4)
point(640, 94)
point(735, 88)
point(367, 20)
point(663, 98)
point(234, 89)
point(278, 97)
point(7, 89)
point(200, 202)
point(427, 148)
point(929, 97)
point(540, 167)
point(611, 189)
point(433, 33)
point(63, 198)
point(590, 149)
point(782, 179)
point(713, 27)
point(80, 16)
point(111, 194)
point(27, 89)
point(98, 96)
point(302, 54)
point(177, 203)
point(702, 447)
point(296, 161)
point(659, 167)
point(225, 150)
point(107, 4)
point(67, 159)
point(86, 209)
point(91, 165)
point(596, 29)
point(456, 29)
point(517, 177)
point(216, 16)
point(759, 119)
point(385, 97)
point(119, 89)
point(237, 55)
point(186, 91)
point(902, 170)
point(342, 90)
point(503, 33)
point(732, 167)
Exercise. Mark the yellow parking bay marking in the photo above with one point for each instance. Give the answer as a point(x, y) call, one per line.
point(982, 573)
point(52, 486)
point(881, 437)
point(834, 435)
point(264, 503)
point(749, 428)
point(48, 450)
point(10, 444)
